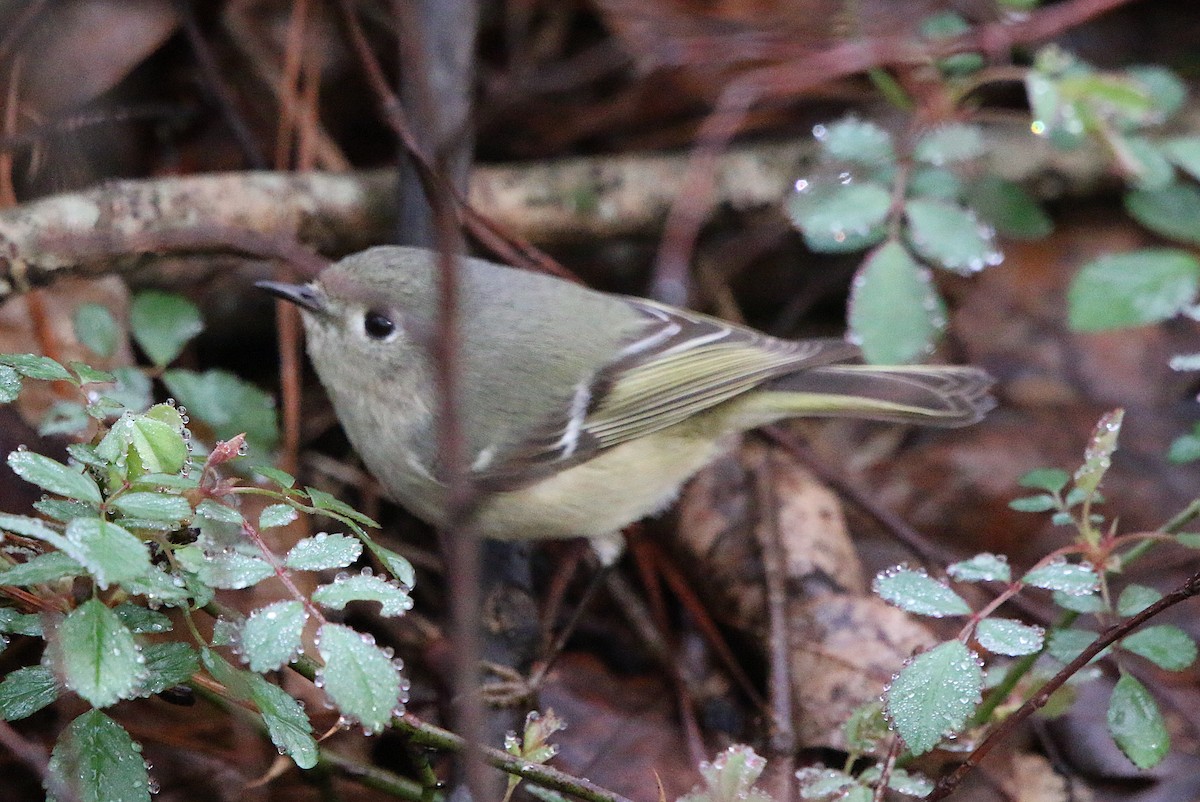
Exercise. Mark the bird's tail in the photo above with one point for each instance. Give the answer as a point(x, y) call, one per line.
point(932, 395)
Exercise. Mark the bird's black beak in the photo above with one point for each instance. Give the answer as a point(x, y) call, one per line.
point(302, 295)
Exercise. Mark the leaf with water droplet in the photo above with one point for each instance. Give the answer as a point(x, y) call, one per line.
point(37, 367)
point(227, 569)
point(836, 218)
point(917, 592)
point(817, 782)
point(271, 635)
point(1097, 457)
point(142, 620)
point(1008, 637)
point(392, 597)
point(110, 553)
point(41, 569)
point(730, 777)
point(1075, 578)
point(10, 384)
point(950, 236)
point(277, 515)
point(895, 312)
point(324, 551)
point(287, 724)
point(154, 506)
point(25, 691)
point(340, 509)
point(396, 565)
point(1008, 208)
point(853, 140)
point(1132, 289)
point(360, 679)
point(95, 760)
point(228, 404)
point(167, 665)
point(97, 655)
point(1077, 603)
point(1165, 645)
point(54, 476)
point(1136, 724)
point(934, 694)
point(983, 567)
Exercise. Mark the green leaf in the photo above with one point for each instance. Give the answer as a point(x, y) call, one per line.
point(392, 597)
point(324, 501)
point(324, 551)
point(53, 476)
point(1149, 169)
point(730, 777)
point(981, 568)
point(43, 568)
point(109, 552)
point(167, 665)
point(835, 218)
point(1135, 723)
point(937, 183)
point(400, 568)
point(855, 140)
point(64, 511)
point(1165, 91)
point(271, 635)
point(286, 722)
point(933, 695)
point(1052, 480)
point(866, 727)
point(37, 367)
point(1135, 598)
point(227, 569)
point(947, 25)
point(895, 312)
point(1074, 578)
point(360, 679)
point(1125, 289)
point(1167, 646)
point(1097, 457)
point(95, 760)
point(277, 515)
point(917, 592)
point(1039, 503)
point(26, 691)
point(96, 329)
point(1066, 644)
point(98, 656)
point(821, 783)
point(1185, 448)
point(20, 623)
point(154, 506)
point(163, 323)
point(227, 404)
point(1008, 637)
point(1172, 210)
point(1090, 603)
point(10, 384)
point(132, 390)
point(282, 478)
point(64, 418)
point(1008, 208)
point(950, 143)
point(142, 620)
point(1184, 151)
point(950, 236)
point(159, 585)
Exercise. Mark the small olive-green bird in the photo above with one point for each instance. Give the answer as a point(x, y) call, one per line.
point(582, 411)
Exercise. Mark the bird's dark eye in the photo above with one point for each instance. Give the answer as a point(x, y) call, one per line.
point(377, 325)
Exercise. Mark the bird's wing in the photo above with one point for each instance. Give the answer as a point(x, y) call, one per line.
point(679, 364)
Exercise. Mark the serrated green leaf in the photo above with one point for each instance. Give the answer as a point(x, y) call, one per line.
point(324, 551)
point(282, 478)
point(1052, 480)
point(1065, 645)
point(110, 553)
point(1132, 289)
point(163, 323)
point(286, 722)
point(1135, 723)
point(64, 511)
point(54, 476)
point(167, 665)
point(821, 783)
point(277, 515)
point(950, 143)
point(95, 760)
point(96, 329)
point(895, 312)
point(1097, 457)
point(840, 217)
point(161, 586)
point(271, 635)
point(1090, 603)
point(1008, 208)
point(400, 568)
point(325, 501)
point(1135, 598)
point(730, 776)
point(227, 569)
point(1165, 645)
point(1008, 637)
point(866, 727)
point(90, 375)
point(934, 694)
point(154, 506)
point(227, 404)
point(910, 783)
point(10, 384)
point(1038, 503)
point(981, 568)
point(142, 620)
point(164, 481)
point(854, 140)
point(98, 656)
point(392, 597)
point(950, 236)
point(1169, 209)
point(917, 592)
point(37, 367)
point(19, 623)
point(1074, 578)
point(25, 691)
point(360, 679)
point(1184, 151)
point(48, 567)
point(216, 511)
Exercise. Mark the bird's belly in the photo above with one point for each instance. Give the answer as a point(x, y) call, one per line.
point(601, 496)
